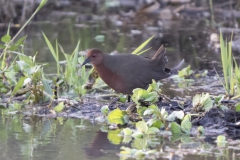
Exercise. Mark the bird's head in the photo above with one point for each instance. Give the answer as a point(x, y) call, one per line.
point(95, 56)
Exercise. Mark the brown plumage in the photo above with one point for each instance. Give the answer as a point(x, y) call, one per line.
point(125, 72)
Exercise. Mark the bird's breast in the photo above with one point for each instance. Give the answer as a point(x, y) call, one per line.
point(112, 79)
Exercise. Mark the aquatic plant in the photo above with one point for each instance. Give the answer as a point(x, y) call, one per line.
point(227, 64)
point(185, 126)
point(138, 51)
point(231, 70)
point(9, 45)
point(23, 70)
point(73, 78)
point(202, 102)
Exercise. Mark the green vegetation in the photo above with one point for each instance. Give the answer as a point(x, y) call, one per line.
point(202, 102)
point(138, 51)
point(23, 71)
point(24, 76)
point(74, 80)
point(230, 70)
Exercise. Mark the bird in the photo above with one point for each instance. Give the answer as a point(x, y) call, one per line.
point(125, 72)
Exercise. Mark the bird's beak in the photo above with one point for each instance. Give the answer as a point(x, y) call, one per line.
point(86, 61)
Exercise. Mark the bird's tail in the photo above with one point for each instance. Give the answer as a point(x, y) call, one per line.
point(160, 53)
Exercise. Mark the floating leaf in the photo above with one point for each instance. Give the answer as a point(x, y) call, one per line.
point(141, 95)
point(186, 125)
point(186, 139)
point(153, 130)
point(185, 72)
point(116, 117)
point(127, 131)
point(203, 102)
point(137, 134)
point(221, 141)
point(221, 138)
point(113, 136)
point(140, 143)
point(100, 38)
point(59, 107)
point(142, 126)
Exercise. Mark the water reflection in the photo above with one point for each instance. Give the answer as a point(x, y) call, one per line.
point(41, 138)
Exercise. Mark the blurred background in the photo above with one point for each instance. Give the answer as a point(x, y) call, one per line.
point(189, 29)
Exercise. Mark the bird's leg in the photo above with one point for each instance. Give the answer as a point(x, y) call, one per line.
point(128, 98)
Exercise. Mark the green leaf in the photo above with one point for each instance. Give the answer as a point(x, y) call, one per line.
point(137, 134)
point(27, 59)
point(139, 53)
point(154, 123)
point(140, 143)
point(20, 41)
point(141, 110)
point(6, 38)
point(142, 126)
point(208, 102)
point(186, 125)
point(50, 47)
point(221, 138)
point(16, 45)
point(186, 139)
point(175, 128)
point(127, 139)
point(137, 50)
point(127, 131)
point(59, 107)
point(221, 141)
point(47, 87)
point(153, 130)
point(18, 85)
point(11, 75)
point(185, 72)
point(100, 38)
point(116, 117)
point(122, 98)
point(113, 136)
point(154, 86)
point(140, 94)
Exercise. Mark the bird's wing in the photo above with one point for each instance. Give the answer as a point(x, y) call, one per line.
point(138, 71)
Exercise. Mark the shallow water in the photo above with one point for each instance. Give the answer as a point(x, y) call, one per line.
point(37, 138)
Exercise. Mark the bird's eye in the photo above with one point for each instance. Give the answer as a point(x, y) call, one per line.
point(93, 56)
